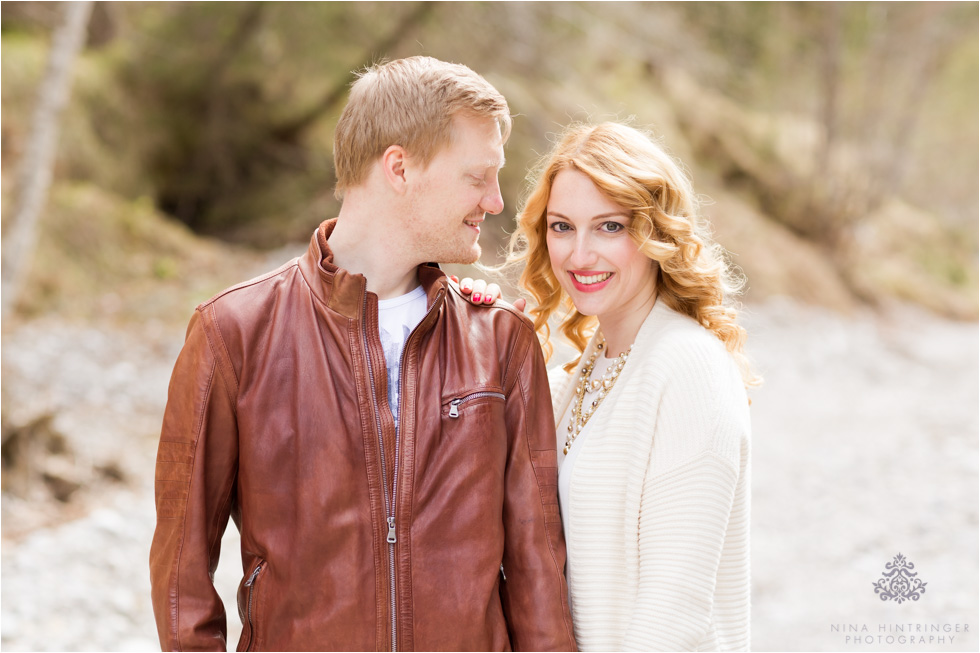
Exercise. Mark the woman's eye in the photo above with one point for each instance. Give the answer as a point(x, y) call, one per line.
point(612, 227)
point(559, 227)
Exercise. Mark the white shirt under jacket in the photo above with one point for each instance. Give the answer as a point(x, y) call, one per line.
point(657, 512)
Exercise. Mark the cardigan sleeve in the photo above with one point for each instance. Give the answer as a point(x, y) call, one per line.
point(686, 504)
point(683, 519)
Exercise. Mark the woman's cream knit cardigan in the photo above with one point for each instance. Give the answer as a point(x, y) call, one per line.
point(658, 530)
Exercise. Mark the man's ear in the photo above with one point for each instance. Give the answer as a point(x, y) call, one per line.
point(394, 162)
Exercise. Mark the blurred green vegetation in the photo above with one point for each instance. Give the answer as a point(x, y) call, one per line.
point(837, 143)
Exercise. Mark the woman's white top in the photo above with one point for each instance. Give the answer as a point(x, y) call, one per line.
point(656, 509)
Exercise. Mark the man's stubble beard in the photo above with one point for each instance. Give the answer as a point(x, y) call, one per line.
point(470, 260)
point(463, 254)
point(446, 251)
point(435, 247)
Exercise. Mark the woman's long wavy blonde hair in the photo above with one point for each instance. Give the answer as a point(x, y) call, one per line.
point(633, 171)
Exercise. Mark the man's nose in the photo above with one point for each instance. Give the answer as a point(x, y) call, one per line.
point(493, 201)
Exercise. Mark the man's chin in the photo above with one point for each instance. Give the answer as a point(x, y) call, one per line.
point(463, 257)
point(474, 255)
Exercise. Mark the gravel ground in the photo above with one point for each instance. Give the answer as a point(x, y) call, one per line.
point(865, 446)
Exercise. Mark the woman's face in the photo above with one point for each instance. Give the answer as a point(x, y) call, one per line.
point(593, 256)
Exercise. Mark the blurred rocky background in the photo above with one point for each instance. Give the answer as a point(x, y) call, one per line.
point(154, 153)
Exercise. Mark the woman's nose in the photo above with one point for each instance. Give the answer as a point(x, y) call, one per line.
point(584, 254)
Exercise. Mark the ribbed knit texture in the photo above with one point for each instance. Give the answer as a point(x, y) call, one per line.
point(658, 530)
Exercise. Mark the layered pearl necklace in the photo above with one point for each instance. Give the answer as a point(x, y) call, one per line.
point(582, 411)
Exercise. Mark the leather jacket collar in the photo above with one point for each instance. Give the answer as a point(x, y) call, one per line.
point(345, 292)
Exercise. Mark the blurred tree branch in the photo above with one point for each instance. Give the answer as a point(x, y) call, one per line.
point(248, 25)
point(289, 130)
point(37, 166)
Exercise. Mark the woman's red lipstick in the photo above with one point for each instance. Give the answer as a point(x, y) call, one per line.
point(589, 287)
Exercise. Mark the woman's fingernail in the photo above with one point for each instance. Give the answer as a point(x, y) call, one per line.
point(454, 278)
point(466, 288)
point(477, 298)
point(488, 299)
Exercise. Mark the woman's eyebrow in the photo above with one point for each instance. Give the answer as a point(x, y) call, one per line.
point(601, 216)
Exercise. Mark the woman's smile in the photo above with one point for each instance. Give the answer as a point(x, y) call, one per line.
point(590, 281)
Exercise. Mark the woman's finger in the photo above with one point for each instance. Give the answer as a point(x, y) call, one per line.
point(491, 294)
point(466, 286)
point(479, 288)
point(520, 304)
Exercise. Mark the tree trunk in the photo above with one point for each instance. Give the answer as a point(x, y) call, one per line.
point(38, 163)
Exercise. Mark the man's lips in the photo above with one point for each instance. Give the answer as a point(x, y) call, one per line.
point(474, 223)
point(589, 280)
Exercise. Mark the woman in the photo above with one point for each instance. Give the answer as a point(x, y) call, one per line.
point(653, 420)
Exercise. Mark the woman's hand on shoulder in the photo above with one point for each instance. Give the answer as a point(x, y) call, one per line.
point(481, 292)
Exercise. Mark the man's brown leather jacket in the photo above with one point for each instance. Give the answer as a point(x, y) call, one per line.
point(442, 536)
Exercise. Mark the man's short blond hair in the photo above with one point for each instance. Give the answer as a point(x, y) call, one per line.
point(409, 102)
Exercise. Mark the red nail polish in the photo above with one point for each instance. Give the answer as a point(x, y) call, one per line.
point(477, 298)
point(488, 299)
point(454, 278)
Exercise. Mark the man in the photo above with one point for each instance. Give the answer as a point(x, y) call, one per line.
point(386, 449)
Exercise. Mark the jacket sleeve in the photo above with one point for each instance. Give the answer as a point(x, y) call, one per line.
point(195, 478)
point(686, 508)
point(534, 593)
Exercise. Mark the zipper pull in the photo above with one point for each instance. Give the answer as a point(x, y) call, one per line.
point(391, 530)
point(454, 408)
point(251, 579)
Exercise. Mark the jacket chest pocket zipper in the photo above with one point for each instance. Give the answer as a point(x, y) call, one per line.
point(456, 403)
point(250, 584)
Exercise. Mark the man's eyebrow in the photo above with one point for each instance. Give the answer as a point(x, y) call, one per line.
point(489, 164)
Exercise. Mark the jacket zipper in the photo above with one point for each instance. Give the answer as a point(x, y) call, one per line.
point(251, 590)
point(389, 513)
point(389, 505)
point(455, 403)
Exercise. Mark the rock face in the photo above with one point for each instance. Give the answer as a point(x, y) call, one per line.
point(865, 446)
